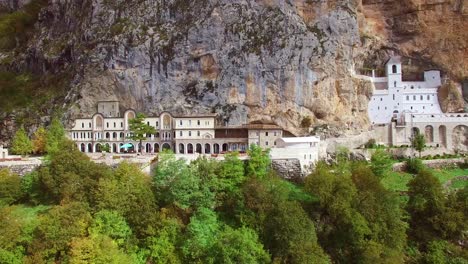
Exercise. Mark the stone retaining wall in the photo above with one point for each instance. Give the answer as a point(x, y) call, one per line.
point(289, 169)
point(20, 169)
point(434, 164)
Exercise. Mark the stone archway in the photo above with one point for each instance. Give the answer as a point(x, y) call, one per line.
point(429, 134)
point(443, 136)
point(190, 148)
point(166, 146)
point(148, 148)
point(90, 148)
point(98, 147)
point(216, 148)
point(83, 147)
point(225, 147)
point(460, 138)
point(156, 148)
point(198, 148)
point(181, 148)
point(207, 148)
point(114, 148)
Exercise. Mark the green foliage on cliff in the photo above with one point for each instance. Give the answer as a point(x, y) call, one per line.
point(15, 27)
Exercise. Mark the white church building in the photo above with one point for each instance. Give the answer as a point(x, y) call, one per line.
point(393, 97)
point(399, 109)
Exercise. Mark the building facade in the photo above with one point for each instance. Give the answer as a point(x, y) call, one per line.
point(304, 149)
point(108, 129)
point(400, 109)
point(393, 97)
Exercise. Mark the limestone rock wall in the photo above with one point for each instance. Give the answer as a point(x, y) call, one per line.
point(265, 60)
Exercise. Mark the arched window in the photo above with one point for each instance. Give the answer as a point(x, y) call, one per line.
point(394, 69)
point(394, 84)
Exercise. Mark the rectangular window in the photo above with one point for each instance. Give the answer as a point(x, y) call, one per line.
point(266, 134)
point(394, 97)
point(121, 124)
point(407, 98)
point(82, 125)
point(428, 97)
point(115, 125)
point(180, 122)
point(198, 122)
point(190, 122)
point(107, 124)
point(198, 133)
point(414, 97)
point(89, 124)
point(266, 143)
point(190, 133)
point(180, 133)
point(274, 134)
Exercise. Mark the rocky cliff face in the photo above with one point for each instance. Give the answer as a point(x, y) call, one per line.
point(266, 60)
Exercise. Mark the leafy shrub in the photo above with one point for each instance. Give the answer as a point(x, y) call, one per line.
point(371, 143)
point(306, 122)
point(10, 187)
point(414, 165)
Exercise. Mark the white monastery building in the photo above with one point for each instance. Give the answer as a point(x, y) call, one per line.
point(393, 96)
point(400, 109)
point(305, 149)
point(185, 134)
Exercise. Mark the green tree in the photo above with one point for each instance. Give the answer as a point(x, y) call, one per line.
point(418, 142)
point(426, 202)
point(163, 246)
point(10, 232)
point(70, 175)
point(40, 140)
point(202, 232)
point(57, 228)
point(259, 162)
point(284, 227)
point(10, 187)
point(96, 249)
point(55, 136)
point(355, 215)
point(111, 224)
point(139, 129)
point(239, 246)
point(381, 162)
point(128, 192)
point(21, 144)
point(175, 183)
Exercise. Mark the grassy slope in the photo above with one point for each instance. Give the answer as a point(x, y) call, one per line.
point(398, 181)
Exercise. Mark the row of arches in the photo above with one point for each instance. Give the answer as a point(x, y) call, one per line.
point(117, 148)
point(216, 148)
point(459, 135)
point(181, 148)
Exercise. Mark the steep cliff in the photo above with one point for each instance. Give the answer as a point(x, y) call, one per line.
point(266, 60)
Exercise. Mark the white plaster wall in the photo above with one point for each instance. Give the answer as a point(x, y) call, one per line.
point(192, 123)
point(415, 97)
point(306, 156)
point(193, 134)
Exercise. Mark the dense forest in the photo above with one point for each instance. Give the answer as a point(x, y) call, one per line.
point(72, 210)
